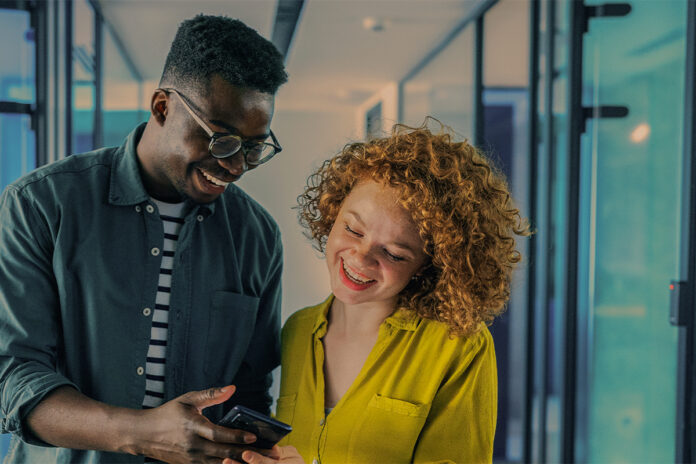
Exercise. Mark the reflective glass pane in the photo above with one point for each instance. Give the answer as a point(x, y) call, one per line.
point(558, 208)
point(17, 146)
point(84, 72)
point(630, 197)
point(121, 110)
point(541, 236)
point(18, 62)
point(505, 139)
point(444, 88)
point(4, 445)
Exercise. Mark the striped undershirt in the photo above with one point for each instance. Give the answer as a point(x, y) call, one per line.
point(172, 220)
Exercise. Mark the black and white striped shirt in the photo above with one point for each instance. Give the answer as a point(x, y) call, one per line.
point(172, 220)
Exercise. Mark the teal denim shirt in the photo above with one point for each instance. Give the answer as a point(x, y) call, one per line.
point(79, 264)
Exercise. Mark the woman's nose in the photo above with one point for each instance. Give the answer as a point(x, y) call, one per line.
point(363, 256)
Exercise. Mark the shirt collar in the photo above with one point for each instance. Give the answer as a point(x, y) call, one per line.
point(320, 325)
point(402, 318)
point(126, 186)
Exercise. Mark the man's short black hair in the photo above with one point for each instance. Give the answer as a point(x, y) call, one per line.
point(209, 45)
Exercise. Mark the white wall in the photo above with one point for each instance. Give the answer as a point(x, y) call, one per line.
point(307, 138)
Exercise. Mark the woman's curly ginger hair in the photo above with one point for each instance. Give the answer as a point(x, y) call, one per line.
point(460, 204)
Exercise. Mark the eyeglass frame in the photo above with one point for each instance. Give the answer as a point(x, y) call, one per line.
point(216, 135)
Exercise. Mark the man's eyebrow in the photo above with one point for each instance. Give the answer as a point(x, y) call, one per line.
point(233, 130)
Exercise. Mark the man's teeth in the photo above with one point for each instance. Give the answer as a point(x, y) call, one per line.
point(353, 277)
point(214, 180)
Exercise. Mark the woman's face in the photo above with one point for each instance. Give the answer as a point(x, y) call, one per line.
point(374, 248)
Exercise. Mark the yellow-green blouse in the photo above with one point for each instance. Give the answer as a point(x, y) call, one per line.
point(421, 396)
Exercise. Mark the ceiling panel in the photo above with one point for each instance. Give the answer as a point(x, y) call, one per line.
point(147, 27)
point(335, 61)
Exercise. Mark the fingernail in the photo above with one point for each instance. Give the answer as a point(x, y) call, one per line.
point(223, 389)
point(249, 438)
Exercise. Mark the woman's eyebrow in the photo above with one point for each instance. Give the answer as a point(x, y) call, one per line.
point(356, 216)
point(401, 245)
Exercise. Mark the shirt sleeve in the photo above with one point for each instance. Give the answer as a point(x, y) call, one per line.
point(29, 314)
point(255, 374)
point(461, 422)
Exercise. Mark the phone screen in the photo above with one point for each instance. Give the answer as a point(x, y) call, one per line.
point(268, 431)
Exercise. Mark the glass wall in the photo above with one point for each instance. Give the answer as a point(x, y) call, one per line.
point(121, 93)
point(558, 231)
point(444, 88)
point(630, 197)
point(505, 139)
point(17, 85)
point(84, 75)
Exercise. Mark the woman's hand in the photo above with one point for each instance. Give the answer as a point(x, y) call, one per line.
point(278, 454)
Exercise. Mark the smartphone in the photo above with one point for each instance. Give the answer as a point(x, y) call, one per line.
point(268, 431)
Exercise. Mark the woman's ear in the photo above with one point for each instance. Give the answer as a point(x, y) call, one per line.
point(159, 106)
point(421, 271)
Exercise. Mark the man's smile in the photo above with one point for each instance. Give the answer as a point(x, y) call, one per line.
point(215, 180)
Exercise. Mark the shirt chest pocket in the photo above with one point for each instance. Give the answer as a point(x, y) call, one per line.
point(230, 328)
point(388, 430)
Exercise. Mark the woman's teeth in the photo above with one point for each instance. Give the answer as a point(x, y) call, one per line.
point(214, 180)
point(353, 277)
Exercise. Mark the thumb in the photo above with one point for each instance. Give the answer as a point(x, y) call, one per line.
point(204, 398)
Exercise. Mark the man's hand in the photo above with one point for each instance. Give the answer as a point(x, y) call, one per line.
point(278, 454)
point(178, 432)
point(175, 432)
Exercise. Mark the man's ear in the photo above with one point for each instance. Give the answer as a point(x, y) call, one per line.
point(159, 106)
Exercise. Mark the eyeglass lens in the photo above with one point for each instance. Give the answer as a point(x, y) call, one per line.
point(228, 146)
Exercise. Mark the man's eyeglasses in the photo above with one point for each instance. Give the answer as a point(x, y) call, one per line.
point(225, 145)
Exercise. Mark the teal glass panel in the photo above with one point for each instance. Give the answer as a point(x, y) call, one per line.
point(630, 204)
point(83, 77)
point(539, 222)
point(17, 73)
point(505, 140)
point(4, 445)
point(121, 94)
point(17, 84)
point(18, 147)
point(558, 232)
point(444, 88)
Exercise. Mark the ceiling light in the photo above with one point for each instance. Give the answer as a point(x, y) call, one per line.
point(374, 24)
point(640, 133)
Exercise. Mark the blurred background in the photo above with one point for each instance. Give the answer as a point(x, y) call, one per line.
point(587, 107)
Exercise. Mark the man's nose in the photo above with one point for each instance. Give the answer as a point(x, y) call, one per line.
point(235, 164)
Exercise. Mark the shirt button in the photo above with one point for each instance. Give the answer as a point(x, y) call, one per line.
point(200, 218)
point(149, 208)
point(322, 421)
point(138, 208)
point(147, 312)
point(140, 370)
point(315, 461)
point(155, 251)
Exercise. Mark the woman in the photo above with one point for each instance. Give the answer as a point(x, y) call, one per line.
point(397, 365)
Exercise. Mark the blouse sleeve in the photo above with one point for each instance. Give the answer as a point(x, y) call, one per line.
point(461, 423)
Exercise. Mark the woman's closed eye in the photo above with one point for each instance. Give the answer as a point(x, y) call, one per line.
point(393, 257)
point(351, 231)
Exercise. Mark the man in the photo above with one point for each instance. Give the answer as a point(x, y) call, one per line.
point(135, 279)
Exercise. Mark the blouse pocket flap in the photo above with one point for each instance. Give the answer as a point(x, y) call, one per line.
point(397, 406)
